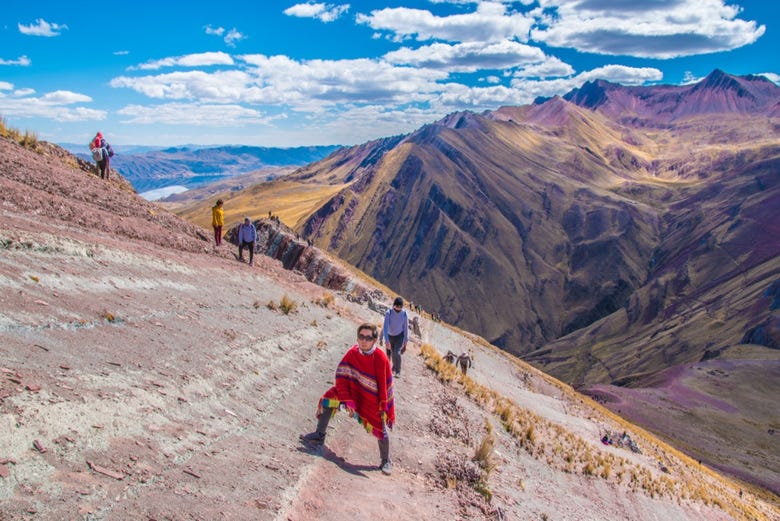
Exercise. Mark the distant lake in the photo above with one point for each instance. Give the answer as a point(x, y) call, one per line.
point(162, 193)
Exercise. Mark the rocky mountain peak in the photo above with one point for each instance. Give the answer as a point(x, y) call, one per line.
point(591, 95)
point(719, 92)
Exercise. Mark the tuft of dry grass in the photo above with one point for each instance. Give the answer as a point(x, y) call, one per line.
point(326, 300)
point(287, 305)
point(27, 139)
point(483, 456)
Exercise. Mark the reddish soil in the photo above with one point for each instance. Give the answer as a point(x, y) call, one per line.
point(144, 375)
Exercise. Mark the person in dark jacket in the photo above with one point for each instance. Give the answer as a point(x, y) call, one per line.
point(102, 153)
point(247, 235)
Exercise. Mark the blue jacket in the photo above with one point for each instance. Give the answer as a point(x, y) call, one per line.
point(396, 323)
point(247, 233)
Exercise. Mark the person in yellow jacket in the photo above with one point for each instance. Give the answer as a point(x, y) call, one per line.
point(217, 221)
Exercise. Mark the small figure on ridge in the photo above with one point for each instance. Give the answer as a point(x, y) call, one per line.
point(247, 235)
point(218, 221)
point(101, 153)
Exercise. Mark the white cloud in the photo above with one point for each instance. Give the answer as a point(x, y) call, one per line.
point(4, 85)
point(771, 76)
point(322, 12)
point(490, 22)
point(203, 59)
point(198, 114)
point(229, 37)
point(689, 78)
point(302, 85)
point(331, 93)
point(52, 105)
point(623, 74)
point(364, 123)
point(654, 29)
point(469, 56)
point(215, 31)
point(552, 67)
point(342, 81)
point(64, 97)
point(42, 28)
point(456, 96)
point(613, 73)
point(233, 36)
point(24, 61)
point(218, 87)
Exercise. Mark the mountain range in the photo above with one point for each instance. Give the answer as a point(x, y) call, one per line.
point(615, 237)
point(154, 168)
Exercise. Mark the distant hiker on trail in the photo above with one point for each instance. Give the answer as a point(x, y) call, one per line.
point(464, 361)
point(247, 235)
point(396, 333)
point(102, 154)
point(364, 389)
point(415, 323)
point(218, 221)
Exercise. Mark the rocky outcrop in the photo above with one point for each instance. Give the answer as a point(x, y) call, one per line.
point(279, 242)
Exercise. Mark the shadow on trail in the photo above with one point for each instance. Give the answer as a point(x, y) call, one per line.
point(327, 454)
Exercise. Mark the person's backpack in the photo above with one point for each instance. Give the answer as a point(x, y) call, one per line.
point(97, 154)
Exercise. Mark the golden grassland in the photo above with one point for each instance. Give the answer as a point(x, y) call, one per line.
point(290, 201)
point(561, 449)
point(27, 139)
point(637, 432)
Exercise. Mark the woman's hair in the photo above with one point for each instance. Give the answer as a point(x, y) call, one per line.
point(219, 201)
point(371, 327)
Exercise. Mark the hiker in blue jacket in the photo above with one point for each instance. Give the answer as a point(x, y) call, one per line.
point(396, 333)
point(247, 235)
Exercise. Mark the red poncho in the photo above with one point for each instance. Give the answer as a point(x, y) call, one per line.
point(364, 383)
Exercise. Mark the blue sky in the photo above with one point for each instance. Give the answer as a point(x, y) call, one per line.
point(283, 73)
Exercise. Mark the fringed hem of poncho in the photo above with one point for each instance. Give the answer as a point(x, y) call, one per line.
point(334, 405)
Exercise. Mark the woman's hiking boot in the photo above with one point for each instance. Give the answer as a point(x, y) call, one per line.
point(313, 439)
point(386, 467)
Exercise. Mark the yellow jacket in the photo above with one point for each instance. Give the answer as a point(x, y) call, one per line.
point(217, 216)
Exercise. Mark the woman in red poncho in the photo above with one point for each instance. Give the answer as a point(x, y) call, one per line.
point(364, 389)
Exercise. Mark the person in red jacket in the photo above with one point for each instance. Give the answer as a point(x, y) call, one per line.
point(105, 153)
point(364, 389)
